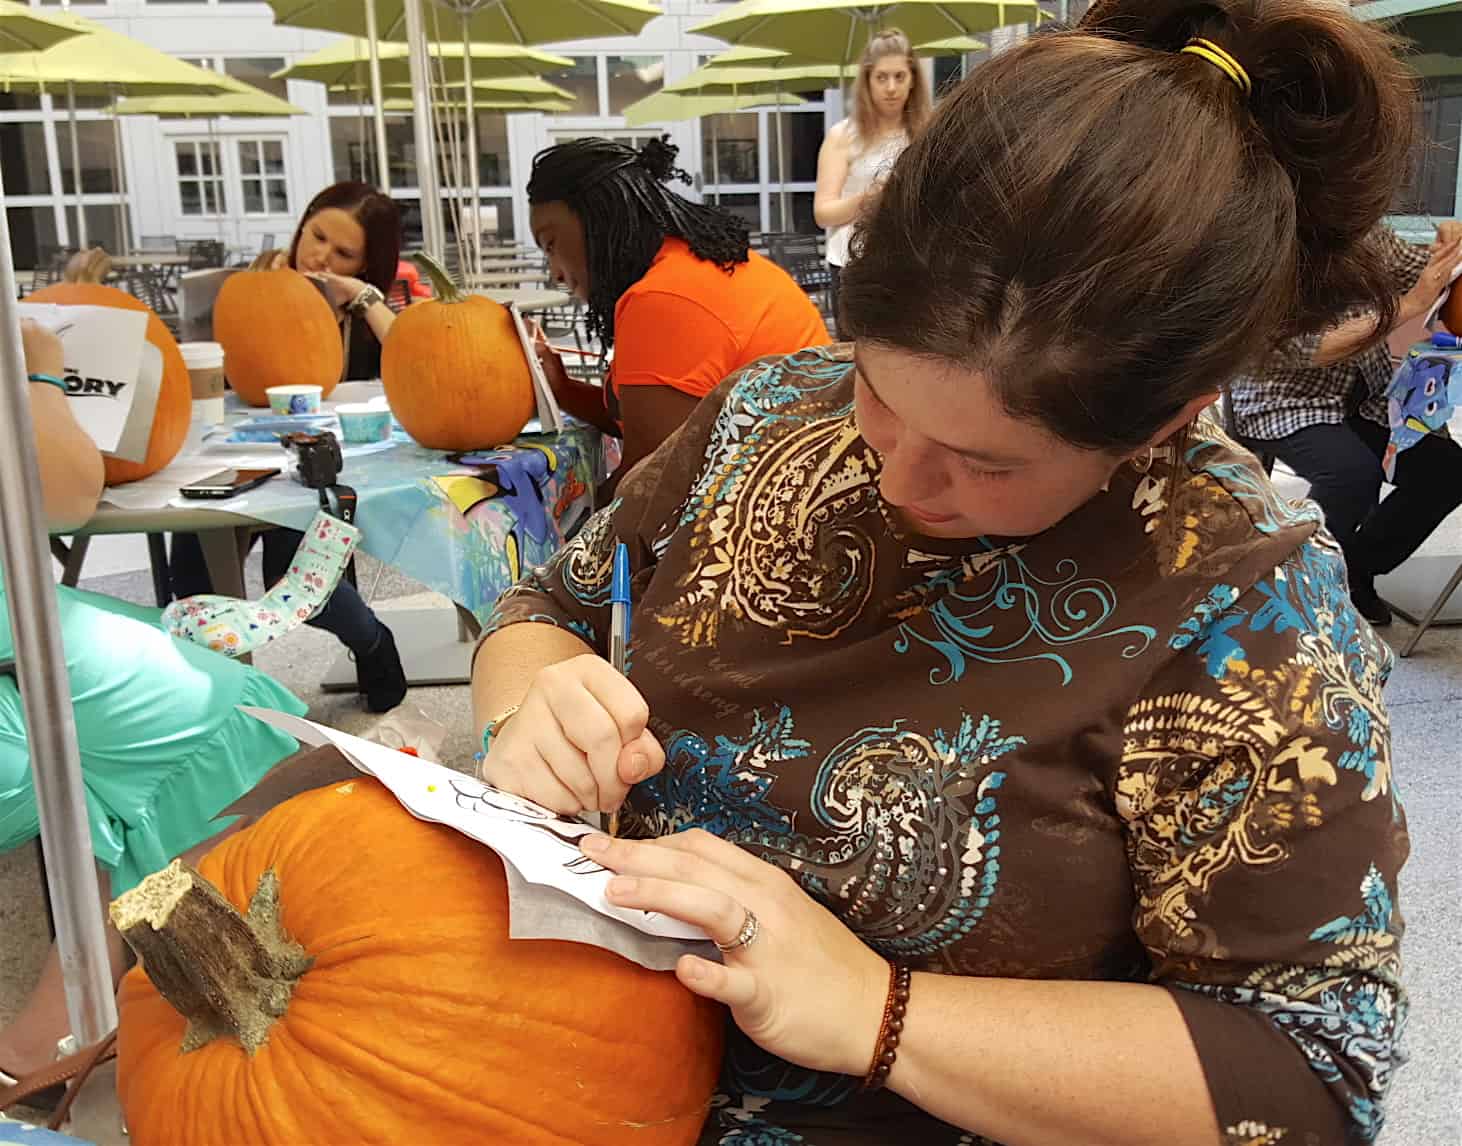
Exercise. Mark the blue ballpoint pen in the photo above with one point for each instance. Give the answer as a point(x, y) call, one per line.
point(619, 605)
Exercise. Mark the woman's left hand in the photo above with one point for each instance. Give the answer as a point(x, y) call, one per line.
point(341, 290)
point(805, 988)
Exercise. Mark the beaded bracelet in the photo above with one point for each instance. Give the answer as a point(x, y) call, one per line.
point(51, 378)
point(886, 1050)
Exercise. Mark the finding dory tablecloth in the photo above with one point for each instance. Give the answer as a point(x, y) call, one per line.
point(1425, 390)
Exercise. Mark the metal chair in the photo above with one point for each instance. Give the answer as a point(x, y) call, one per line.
point(50, 266)
point(205, 254)
point(150, 284)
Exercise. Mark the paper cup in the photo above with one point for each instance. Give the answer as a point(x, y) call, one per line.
point(361, 423)
point(294, 399)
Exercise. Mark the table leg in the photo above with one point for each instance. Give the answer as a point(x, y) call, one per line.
point(75, 557)
point(157, 554)
point(223, 553)
point(1436, 607)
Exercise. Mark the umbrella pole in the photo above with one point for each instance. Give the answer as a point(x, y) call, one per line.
point(715, 161)
point(45, 693)
point(383, 162)
point(426, 152)
point(119, 178)
point(474, 174)
point(782, 163)
point(76, 165)
point(218, 155)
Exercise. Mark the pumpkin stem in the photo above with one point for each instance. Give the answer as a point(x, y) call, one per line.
point(226, 973)
point(441, 282)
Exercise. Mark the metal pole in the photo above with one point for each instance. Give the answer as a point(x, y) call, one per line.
point(432, 234)
point(474, 171)
point(76, 164)
point(45, 692)
point(782, 162)
point(715, 161)
point(124, 208)
point(218, 159)
point(383, 162)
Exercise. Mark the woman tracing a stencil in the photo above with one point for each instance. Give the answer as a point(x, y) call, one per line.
point(1040, 755)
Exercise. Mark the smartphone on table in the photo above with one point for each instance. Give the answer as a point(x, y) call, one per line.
point(227, 483)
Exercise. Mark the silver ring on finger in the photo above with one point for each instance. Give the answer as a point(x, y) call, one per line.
point(750, 929)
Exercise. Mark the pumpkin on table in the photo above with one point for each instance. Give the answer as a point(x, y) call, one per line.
point(372, 995)
point(455, 373)
point(175, 397)
point(276, 329)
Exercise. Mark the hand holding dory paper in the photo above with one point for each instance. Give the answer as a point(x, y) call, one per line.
point(539, 843)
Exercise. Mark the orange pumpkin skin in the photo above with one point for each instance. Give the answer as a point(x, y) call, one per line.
point(1451, 313)
point(455, 374)
point(276, 329)
point(174, 399)
point(419, 1021)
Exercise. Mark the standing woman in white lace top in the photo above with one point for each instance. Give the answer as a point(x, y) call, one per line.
point(890, 104)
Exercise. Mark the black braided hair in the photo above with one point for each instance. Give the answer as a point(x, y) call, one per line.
point(622, 198)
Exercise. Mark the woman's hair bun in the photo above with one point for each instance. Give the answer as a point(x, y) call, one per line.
point(1331, 97)
point(657, 156)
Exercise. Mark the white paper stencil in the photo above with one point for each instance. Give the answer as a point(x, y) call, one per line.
point(542, 845)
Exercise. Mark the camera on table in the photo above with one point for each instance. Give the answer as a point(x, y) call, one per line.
point(319, 458)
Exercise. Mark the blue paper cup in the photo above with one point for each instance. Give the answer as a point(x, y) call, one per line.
point(361, 424)
point(294, 399)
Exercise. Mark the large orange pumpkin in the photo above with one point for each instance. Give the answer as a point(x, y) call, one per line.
point(454, 369)
point(174, 399)
point(276, 329)
point(408, 1016)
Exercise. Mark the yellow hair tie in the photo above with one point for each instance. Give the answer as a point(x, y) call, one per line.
point(1221, 60)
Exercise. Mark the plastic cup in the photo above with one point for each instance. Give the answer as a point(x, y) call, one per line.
point(284, 400)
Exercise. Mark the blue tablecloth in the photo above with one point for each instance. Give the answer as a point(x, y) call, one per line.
point(468, 531)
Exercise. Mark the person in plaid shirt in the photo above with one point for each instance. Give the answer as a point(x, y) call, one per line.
point(1319, 405)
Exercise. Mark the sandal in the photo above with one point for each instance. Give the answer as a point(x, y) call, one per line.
point(45, 1100)
point(47, 1089)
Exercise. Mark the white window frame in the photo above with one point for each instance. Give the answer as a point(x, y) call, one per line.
point(219, 177)
point(263, 178)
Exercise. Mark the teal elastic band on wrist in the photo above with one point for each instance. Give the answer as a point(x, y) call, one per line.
point(51, 378)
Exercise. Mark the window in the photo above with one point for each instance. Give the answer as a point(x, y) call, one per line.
point(1432, 188)
point(23, 159)
point(582, 79)
point(102, 226)
point(352, 145)
point(200, 177)
point(729, 146)
point(262, 177)
point(799, 212)
point(746, 206)
point(256, 71)
point(492, 150)
point(98, 153)
point(801, 140)
point(632, 78)
point(948, 71)
point(32, 233)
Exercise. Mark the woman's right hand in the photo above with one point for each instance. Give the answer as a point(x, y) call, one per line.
point(1434, 279)
point(42, 349)
point(578, 742)
point(549, 358)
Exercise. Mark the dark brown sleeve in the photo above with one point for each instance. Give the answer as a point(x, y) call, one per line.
point(1265, 838)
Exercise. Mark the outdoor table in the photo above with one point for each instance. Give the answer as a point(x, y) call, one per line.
point(149, 259)
point(527, 299)
point(467, 532)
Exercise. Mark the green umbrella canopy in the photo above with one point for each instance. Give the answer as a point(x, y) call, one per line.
point(744, 81)
point(492, 22)
point(838, 30)
point(499, 102)
point(744, 57)
point(104, 62)
point(669, 107)
point(23, 29)
point(247, 101)
point(952, 46)
point(525, 87)
point(344, 63)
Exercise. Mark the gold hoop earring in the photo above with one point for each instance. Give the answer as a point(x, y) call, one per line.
point(1143, 465)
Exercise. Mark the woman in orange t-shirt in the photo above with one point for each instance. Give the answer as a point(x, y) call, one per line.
point(671, 285)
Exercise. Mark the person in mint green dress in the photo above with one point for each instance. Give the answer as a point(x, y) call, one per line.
point(163, 744)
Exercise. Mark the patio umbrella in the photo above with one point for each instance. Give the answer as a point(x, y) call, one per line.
point(342, 63)
point(479, 21)
point(240, 100)
point(769, 80)
point(836, 31)
point(100, 61)
point(24, 29)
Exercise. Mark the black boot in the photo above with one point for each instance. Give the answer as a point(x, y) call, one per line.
point(1369, 605)
point(382, 679)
